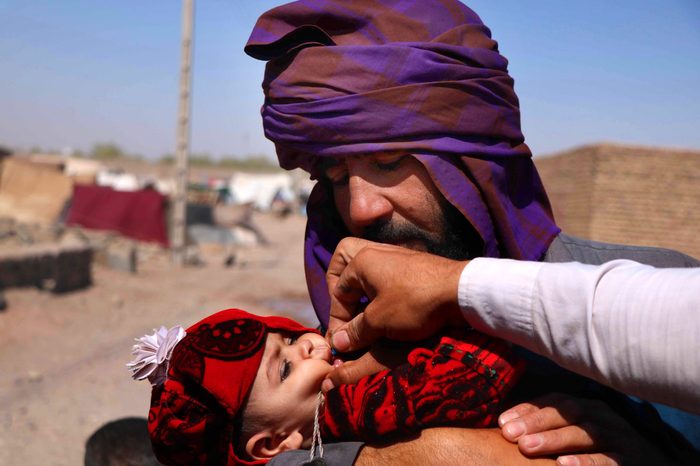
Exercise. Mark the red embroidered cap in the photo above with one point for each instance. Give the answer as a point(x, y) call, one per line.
point(193, 414)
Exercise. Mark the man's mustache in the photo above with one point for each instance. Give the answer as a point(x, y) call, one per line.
point(457, 240)
point(385, 231)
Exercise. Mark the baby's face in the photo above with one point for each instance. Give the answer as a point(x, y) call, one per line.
point(289, 379)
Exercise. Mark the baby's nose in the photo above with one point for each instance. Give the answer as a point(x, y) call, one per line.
point(313, 350)
point(321, 351)
point(306, 347)
point(317, 350)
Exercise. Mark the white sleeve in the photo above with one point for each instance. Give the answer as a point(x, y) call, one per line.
point(627, 325)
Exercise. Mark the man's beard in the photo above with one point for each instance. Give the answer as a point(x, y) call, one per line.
point(456, 240)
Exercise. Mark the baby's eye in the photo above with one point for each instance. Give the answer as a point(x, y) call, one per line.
point(285, 370)
point(291, 340)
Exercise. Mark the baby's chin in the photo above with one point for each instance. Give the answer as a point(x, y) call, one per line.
point(307, 442)
point(328, 368)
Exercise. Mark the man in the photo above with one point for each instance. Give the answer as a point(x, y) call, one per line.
point(406, 113)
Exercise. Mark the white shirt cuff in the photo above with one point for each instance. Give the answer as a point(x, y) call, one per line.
point(496, 296)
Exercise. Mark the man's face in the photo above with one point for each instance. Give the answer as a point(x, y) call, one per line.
point(287, 384)
point(390, 198)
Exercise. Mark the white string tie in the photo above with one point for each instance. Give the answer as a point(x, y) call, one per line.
point(316, 441)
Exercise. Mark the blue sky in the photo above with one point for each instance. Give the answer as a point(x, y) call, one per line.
point(77, 72)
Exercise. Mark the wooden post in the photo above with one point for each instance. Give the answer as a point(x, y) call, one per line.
point(179, 211)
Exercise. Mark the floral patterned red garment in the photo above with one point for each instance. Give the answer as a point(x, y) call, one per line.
point(461, 381)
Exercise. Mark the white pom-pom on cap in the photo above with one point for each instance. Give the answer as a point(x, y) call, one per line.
point(152, 353)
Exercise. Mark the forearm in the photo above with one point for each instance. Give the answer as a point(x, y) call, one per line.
point(446, 445)
point(624, 324)
point(437, 446)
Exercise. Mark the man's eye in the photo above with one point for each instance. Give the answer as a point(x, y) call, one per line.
point(337, 175)
point(285, 370)
point(389, 162)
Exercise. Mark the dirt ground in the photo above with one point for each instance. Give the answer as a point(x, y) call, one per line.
point(62, 357)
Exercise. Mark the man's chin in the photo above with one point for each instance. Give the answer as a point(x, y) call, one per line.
point(455, 251)
point(414, 245)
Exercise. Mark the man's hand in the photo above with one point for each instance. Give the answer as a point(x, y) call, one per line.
point(411, 294)
point(382, 355)
point(588, 430)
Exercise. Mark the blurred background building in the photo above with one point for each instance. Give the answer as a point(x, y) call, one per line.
point(626, 194)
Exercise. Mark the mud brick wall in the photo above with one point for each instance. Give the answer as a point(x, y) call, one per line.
point(625, 194)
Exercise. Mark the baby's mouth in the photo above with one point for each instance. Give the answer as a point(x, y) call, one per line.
point(322, 352)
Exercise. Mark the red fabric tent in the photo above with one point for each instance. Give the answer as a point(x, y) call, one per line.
point(139, 214)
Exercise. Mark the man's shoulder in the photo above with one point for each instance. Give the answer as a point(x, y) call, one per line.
point(567, 248)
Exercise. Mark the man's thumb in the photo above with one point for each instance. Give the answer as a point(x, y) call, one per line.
point(341, 340)
point(352, 371)
point(354, 335)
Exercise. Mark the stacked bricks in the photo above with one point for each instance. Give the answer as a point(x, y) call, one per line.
point(56, 268)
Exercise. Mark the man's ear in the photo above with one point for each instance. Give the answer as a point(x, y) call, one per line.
point(266, 444)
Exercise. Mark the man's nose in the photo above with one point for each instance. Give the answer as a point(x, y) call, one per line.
point(367, 203)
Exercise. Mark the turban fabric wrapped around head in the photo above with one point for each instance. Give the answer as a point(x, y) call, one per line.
point(421, 77)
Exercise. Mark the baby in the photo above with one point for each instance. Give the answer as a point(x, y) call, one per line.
point(238, 388)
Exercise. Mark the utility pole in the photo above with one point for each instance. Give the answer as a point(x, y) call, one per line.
point(179, 226)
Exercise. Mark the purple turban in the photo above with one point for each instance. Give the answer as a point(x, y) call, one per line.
point(422, 77)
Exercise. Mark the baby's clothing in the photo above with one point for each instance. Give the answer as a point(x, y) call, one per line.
point(460, 381)
point(195, 410)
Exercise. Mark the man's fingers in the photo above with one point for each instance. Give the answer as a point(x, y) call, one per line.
point(563, 425)
point(539, 420)
point(356, 334)
point(599, 459)
point(551, 411)
point(345, 300)
point(345, 252)
point(334, 324)
point(569, 439)
point(345, 286)
point(516, 412)
point(352, 371)
point(348, 288)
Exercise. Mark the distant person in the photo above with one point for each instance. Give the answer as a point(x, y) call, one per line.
point(241, 387)
point(123, 442)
